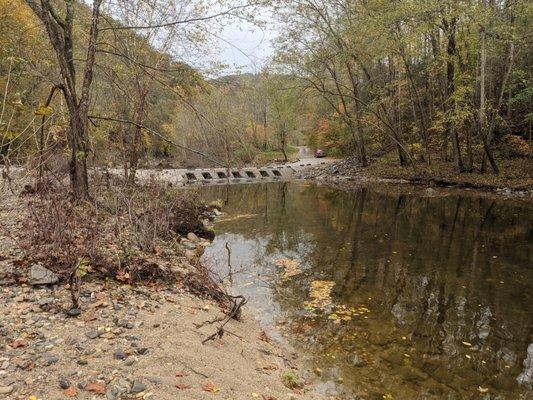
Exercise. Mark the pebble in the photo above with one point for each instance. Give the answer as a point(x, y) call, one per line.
point(92, 334)
point(142, 351)
point(48, 360)
point(138, 387)
point(64, 383)
point(120, 354)
point(129, 361)
point(6, 389)
point(74, 312)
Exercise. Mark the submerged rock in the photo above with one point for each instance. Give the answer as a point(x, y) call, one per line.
point(40, 275)
point(526, 377)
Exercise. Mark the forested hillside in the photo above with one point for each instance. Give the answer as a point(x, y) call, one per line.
point(431, 80)
point(438, 85)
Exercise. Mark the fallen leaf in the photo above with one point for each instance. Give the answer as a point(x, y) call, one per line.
point(18, 343)
point(269, 397)
point(264, 337)
point(96, 387)
point(210, 387)
point(482, 389)
point(71, 392)
point(183, 386)
point(181, 374)
point(467, 344)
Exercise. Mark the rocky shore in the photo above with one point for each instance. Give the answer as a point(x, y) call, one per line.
point(127, 340)
point(347, 173)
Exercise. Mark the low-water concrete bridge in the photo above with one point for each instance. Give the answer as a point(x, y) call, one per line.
point(228, 175)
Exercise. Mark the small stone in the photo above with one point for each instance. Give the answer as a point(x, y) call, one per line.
point(74, 312)
point(64, 383)
point(138, 387)
point(48, 360)
point(45, 301)
point(40, 275)
point(192, 237)
point(120, 354)
point(92, 334)
point(142, 351)
point(155, 380)
point(129, 361)
point(357, 361)
point(6, 389)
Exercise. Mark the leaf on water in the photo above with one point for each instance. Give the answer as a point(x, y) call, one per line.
point(320, 292)
point(290, 267)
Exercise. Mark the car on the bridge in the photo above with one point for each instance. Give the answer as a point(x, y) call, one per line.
point(319, 153)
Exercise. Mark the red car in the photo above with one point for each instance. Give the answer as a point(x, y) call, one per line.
point(320, 153)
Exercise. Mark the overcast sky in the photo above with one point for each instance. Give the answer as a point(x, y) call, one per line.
point(245, 47)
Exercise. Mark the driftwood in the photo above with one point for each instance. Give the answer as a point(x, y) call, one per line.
point(235, 313)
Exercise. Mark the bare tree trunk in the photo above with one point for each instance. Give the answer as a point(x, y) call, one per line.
point(60, 33)
point(451, 51)
point(136, 137)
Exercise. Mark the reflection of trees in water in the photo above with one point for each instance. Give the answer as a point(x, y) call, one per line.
point(441, 270)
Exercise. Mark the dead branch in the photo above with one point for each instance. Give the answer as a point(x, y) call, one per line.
point(235, 313)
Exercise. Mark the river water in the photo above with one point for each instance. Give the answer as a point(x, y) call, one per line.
point(386, 292)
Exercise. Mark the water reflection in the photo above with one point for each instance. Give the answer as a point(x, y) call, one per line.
point(445, 278)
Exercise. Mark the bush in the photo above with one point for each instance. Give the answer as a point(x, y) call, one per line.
point(514, 146)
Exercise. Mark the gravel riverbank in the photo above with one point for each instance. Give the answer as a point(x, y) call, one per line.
point(126, 340)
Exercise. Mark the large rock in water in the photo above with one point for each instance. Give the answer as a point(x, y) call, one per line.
point(40, 275)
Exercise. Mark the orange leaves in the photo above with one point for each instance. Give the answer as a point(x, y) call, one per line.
point(71, 392)
point(18, 343)
point(96, 387)
point(210, 387)
point(182, 386)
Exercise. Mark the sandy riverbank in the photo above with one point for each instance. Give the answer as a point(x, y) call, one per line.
point(130, 341)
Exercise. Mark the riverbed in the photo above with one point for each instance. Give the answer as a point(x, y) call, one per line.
point(392, 292)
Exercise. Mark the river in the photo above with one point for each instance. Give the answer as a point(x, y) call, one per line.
point(386, 292)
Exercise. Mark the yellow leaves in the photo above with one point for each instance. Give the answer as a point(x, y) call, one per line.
point(320, 292)
point(83, 268)
point(290, 267)
point(44, 111)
